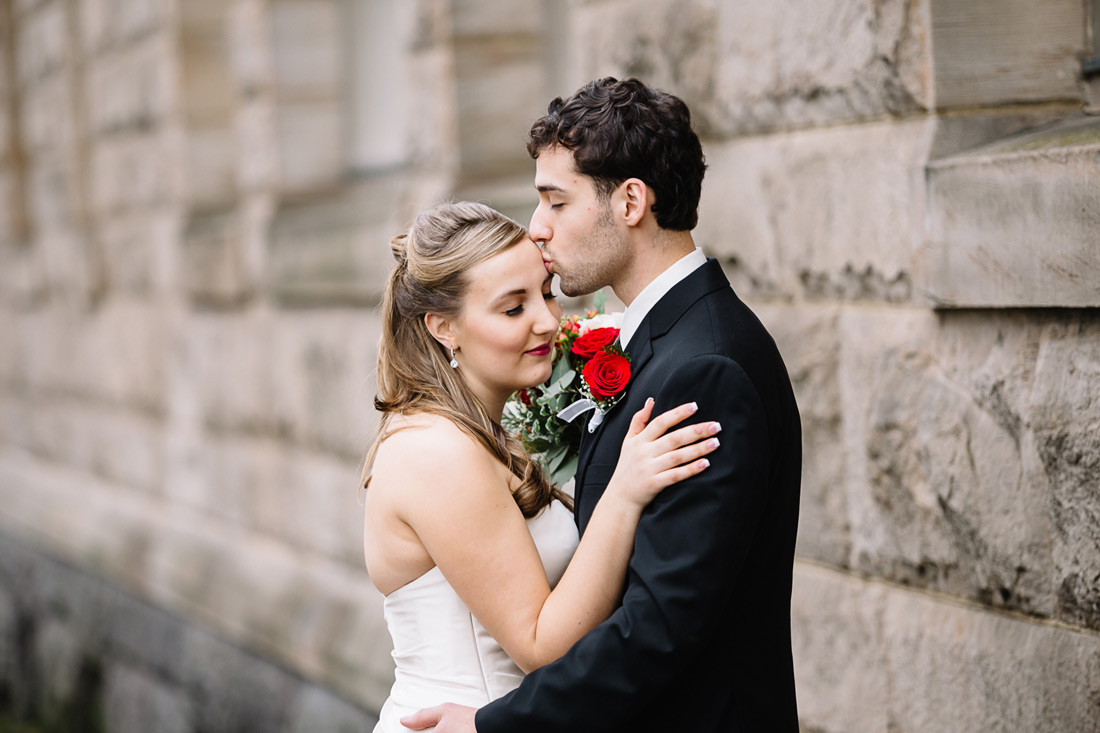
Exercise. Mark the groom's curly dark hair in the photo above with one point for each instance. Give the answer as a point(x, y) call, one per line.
point(623, 129)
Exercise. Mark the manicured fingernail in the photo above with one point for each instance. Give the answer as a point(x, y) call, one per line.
point(715, 428)
point(694, 406)
point(705, 462)
point(713, 442)
point(649, 400)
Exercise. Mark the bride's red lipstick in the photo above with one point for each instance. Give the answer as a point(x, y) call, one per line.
point(540, 351)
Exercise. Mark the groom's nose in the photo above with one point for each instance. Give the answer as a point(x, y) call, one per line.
point(539, 232)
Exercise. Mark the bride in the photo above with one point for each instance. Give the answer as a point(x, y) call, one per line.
point(475, 551)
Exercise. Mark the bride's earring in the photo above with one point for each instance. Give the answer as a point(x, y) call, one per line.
point(454, 361)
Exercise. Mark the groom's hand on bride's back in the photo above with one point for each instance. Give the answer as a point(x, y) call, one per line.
point(447, 718)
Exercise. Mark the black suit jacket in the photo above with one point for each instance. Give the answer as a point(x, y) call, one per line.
point(702, 639)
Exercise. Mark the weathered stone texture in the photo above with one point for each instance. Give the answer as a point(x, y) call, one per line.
point(830, 214)
point(262, 591)
point(945, 493)
point(1065, 417)
point(1015, 223)
point(997, 51)
point(140, 668)
point(133, 87)
point(874, 657)
point(825, 62)
point(42, 43)
point(300, 376)
point(809, 340)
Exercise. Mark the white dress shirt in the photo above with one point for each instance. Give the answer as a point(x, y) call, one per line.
point(641, 305)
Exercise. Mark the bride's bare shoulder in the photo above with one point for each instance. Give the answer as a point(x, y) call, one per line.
point(424, 444)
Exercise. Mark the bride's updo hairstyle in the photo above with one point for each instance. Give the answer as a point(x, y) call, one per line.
point(414, 375)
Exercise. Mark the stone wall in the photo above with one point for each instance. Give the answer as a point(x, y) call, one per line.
point(195, 203)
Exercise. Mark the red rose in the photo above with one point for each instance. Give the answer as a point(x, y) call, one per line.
point(607, 374)
point(524, 397)
point(594, 342)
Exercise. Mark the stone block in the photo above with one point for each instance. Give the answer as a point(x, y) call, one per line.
point(316, 709)
point(58, 656)
point(133, 87)
point(123, 355)
point(669, 45)
point(232, 372)
point(214, 272)
point(257, 166)
point(1065, 417)
point(147, 637)
point(136, 701)
point(995, 52)
point(959, 668)
point(872, 657)
point(837, 638)
point(335, 250)
point(820, 215)
point(431, 133)
point(1014, 224)
point(250, 49)
point(320, 507)
point(106, 24)
point(322, 377)
point(234, 690)
point(131, 172)
point(42, 43)
point(309, 139)
point(475, 18)
point(11, 672)
point(786, 64)
point(47, 118)
point(808, 340)
point(492, 125)
point(945, 490)
point(134, 248)
point(306, 41)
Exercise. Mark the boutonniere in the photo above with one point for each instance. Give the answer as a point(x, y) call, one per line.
point(604, 376)
point(591, 372)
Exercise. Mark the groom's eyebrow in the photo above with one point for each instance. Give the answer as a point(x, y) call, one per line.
point(548, 187)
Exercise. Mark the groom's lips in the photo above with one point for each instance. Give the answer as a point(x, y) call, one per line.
point(541, 350)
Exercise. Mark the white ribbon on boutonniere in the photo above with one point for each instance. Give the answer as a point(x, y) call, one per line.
point(578, 408)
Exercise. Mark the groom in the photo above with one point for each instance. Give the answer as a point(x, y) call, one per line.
point(702, 640)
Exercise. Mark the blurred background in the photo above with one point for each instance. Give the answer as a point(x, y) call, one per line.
point(196, 199)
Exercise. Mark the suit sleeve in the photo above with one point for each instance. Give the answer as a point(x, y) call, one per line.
point(691, 544)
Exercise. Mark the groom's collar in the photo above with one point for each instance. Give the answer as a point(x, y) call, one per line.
point(636, 312)
point(663, 316)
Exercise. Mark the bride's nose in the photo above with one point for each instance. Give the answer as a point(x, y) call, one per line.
point(547, 322)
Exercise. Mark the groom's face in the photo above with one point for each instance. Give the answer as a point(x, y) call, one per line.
point(574, 227)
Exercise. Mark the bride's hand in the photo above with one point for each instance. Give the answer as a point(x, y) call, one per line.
point(651, 460)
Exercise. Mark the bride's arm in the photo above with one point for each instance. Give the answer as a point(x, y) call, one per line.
point(457, 501)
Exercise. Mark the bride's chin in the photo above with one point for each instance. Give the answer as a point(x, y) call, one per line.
point(540, 378)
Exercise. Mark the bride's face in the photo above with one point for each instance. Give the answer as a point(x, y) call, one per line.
point(509, 320)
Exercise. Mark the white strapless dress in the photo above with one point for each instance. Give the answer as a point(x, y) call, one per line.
point(443, 653)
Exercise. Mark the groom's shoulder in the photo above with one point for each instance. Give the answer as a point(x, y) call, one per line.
point(721, 323)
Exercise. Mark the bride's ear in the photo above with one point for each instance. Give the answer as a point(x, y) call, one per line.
point(441, 329)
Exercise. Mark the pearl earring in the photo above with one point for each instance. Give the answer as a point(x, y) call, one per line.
point(454, 361)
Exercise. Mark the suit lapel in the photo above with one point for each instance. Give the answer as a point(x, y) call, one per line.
point(660, 319)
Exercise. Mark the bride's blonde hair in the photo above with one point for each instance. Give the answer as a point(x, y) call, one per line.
point(414, 373)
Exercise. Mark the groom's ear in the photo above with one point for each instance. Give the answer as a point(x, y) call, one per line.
point(441, 329)
point(637, 198)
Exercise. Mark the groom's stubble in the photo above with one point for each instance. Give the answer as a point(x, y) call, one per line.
point(598, 260)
